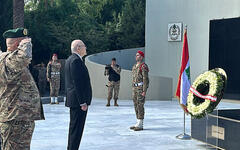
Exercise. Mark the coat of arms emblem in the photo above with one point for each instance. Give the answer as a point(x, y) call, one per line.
point(174, 32)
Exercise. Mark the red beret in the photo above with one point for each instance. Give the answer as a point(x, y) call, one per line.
point(55, 54)
point(141, 53)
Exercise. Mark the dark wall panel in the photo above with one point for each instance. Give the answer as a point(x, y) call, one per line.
point(224, 52)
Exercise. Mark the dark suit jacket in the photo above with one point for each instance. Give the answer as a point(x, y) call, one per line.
point(77, 82)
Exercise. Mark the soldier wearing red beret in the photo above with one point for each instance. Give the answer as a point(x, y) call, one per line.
point(140, 84)
point(53, 77)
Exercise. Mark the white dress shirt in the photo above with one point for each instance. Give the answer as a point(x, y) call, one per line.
point(78, 55)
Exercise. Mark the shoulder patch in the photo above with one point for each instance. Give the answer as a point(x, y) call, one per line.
point(144, 66)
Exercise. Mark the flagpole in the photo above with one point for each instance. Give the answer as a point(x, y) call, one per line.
point(184, 132)
point(184, 136)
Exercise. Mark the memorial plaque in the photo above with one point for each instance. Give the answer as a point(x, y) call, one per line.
point(218, 132)
point(220, 129)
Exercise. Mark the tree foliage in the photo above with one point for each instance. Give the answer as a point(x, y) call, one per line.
point(103, 25)
point(6, 19)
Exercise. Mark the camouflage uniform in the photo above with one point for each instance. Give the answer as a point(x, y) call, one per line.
point(53, 73)
point(41, 79)
point(140, 76)
point(15, 140)
point(113, 86)
point(20, 102)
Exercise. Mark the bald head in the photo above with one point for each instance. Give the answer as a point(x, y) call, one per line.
point(79, 47)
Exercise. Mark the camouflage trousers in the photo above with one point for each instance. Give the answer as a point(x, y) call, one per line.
point(139, 102)
point(54, 87)
point(16, 135)
point(113, 86)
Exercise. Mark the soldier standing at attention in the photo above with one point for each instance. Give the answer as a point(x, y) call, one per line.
point(53, 77)
point(20, 103)
point(113, 73)
point(140, 84)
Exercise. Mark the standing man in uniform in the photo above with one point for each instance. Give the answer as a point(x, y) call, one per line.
point(79, 93)
point(20, 103)
point(140, 84)
point(113, 73)
point(41, 78)
point(42, 82)
point(53, 77)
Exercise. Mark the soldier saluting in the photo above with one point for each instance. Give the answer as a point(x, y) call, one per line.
point(20, 103)
point(140, 84)
point(53, 77)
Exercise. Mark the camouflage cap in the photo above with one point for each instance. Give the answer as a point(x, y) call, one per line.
point(15, 33)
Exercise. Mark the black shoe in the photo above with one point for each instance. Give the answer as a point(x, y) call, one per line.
point(137, 129)
point(132, 127)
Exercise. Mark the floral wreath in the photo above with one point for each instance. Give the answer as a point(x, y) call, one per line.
point(206, 92)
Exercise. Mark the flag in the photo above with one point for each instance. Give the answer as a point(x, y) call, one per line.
point(184, 82)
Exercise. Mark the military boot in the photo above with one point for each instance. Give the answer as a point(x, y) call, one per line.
point(56, 100)
point(108, 103)
point(115, 102)
point(52, 100)
point(133, 127)
point(139, 127)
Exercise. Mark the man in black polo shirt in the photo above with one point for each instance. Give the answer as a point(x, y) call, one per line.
point(113, 72)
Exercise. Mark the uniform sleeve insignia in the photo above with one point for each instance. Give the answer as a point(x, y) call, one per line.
point(145, 67)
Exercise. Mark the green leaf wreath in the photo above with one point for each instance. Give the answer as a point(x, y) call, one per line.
point(211, 83)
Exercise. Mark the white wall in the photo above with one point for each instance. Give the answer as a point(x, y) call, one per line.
point(160, 88)
point(125, 58)
point(164, 57)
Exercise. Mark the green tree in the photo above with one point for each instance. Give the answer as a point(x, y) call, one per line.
point(131, 24)
point(53, 30)
point(6, 20)
point(110, 10)
point(102, 24)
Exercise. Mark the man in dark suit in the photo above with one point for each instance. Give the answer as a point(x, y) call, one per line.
point(79, 93)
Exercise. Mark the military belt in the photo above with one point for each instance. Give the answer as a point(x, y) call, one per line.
point(55, 73)
point(138, 84)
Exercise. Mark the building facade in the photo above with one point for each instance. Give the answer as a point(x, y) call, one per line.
point(208, 22)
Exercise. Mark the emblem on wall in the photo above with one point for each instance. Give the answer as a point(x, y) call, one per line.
point(175, 32)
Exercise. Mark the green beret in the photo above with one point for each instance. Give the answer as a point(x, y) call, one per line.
point(15, 33)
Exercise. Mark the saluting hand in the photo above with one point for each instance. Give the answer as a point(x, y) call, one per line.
point(26, 40)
